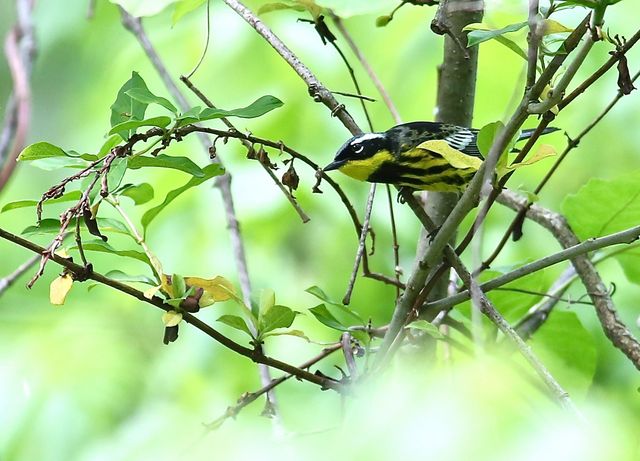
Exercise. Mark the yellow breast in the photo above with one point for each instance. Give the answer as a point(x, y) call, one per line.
point(362, 169)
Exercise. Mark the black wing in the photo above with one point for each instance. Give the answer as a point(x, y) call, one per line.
point(409, 135)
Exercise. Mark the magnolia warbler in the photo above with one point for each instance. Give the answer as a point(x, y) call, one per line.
point(398, 156)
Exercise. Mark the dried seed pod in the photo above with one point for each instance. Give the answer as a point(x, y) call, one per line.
point(290, 178)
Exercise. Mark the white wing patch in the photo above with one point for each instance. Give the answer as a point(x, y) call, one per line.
point(461, 139)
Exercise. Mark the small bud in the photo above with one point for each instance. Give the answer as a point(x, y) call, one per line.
point(382, 21)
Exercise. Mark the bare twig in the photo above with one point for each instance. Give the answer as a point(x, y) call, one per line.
point(294, 203)
point(570, 252)
point(10, 279)
point(368, 69)
point(250, 397)
point(361, 245)
point(316, 89)
point(20, 51)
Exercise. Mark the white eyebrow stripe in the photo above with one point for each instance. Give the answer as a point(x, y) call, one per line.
point(367, 137)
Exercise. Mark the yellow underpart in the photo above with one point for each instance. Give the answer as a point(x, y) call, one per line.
point(362, 169)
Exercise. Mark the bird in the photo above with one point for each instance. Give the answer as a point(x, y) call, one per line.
point(398, 156)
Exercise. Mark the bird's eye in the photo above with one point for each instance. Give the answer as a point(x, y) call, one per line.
point(358, 149)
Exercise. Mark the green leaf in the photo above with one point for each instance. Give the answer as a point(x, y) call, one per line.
point(267, 300)
point(427, 327)
point(297, 333)
point(277, 6)
point(235, 322)
point(116, 173)
point(126, 108)
point(325, 317)
point(346, 9)
point(486, 135)
point(276, 317)
point(109, 144)
point(338, 309)
point(140, 193)
point(125, 278)
point(604, 206)
point(481, 33)
point(131, 125)
point(209, 171)
point(145, 96)
point(184, 7)
point(629, 260)
point(568, 350)
point(52, 226)
point(167, 161)
point(103, 247)
point(179, 286)
point(142, 8)
point(41, 150)
point(68, 197)
point(257, 108)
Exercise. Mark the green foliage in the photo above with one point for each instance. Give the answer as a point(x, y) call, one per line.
point(184, 7)
point(140, 193)
point(125, 108)
point(568, 350)
point(184, 164)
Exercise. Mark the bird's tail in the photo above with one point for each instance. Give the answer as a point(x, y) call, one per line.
point(526, 134)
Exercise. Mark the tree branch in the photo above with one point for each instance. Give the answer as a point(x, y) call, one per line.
point(316, 89)
point(614, 328)
point(81, 272)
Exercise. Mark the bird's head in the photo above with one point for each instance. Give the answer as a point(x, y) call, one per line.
point(362, 155)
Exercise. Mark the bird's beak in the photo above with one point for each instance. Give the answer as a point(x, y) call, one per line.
point(333, 165)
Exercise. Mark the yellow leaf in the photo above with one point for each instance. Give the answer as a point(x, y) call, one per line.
point(59, 289)
point(554, 27)
point(171, 318)
point(151, 292)
point(166, 285)
point(214, 290)
point(62, 252)
point(455, 158)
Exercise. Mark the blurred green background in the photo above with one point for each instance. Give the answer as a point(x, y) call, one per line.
point(91, 380)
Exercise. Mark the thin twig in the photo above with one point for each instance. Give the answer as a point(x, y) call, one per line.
point(206, 43)
point(20, 51)
point(292, 200)
point(10, 279)
point(361, 245)
point(250, 397)
point(316, 89)
point(368, 69)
